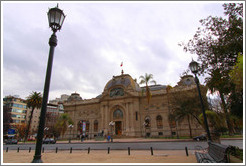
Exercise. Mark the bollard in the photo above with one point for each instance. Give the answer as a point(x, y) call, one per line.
point(56, 149)
point(29, 149)
point(151, 149)
point(108, 150)
point(7, 149)
point(18, 149)
point(186, 150)
point(71, 150)
point(89, 150)
point(129, 150)
point(43, 150)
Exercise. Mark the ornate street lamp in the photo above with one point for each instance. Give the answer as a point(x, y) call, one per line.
point(70, 127)
point(144, 126)
point(46, 129)
point(56, 18)
point(194, 69)
point(111, 124)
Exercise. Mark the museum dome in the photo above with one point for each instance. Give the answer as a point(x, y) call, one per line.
point(124, 80)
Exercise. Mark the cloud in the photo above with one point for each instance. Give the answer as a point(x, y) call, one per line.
point(94, 40)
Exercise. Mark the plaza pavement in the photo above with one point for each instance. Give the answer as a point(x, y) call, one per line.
point(102, 156)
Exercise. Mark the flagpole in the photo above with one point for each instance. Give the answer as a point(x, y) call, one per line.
point(121, 65)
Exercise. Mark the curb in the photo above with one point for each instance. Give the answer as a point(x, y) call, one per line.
point(133, 141)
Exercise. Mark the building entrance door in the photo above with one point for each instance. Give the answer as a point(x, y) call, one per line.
point(118, 128)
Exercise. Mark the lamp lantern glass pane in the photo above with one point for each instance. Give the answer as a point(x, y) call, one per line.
point(193, 67)
point(55, 18)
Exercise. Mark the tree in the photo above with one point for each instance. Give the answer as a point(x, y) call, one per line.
point(236, 104)
point(21, 130)
point(7, 119)
point(62, 123)
point(214, 103)
point(216, 121)
point(236, 96)
point(237, 123)
point(236, 73)
point(148, 78)
point(217, 45)
point(33, 101)
point(185, 105)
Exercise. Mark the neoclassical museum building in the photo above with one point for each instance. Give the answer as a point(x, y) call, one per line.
point(122, 110)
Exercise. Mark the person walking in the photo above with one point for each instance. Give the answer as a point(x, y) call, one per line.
point(108, 138)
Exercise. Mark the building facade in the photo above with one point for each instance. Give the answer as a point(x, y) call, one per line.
point(63, 98)
point(53, 112)
point(14, 116)
point(122, 110)
point(17, 108)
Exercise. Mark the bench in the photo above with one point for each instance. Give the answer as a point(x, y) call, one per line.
point(216, 153)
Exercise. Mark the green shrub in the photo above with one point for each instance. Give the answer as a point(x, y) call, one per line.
point(235, 151)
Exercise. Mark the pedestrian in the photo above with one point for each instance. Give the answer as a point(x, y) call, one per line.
point(108, 138)
point(82, 138)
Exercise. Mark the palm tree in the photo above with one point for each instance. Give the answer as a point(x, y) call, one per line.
point(184, 106)
point(180, 114)
point(148, 78)
point(33, 101)
point(63, 122)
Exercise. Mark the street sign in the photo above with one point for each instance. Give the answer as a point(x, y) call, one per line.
point(11, 131)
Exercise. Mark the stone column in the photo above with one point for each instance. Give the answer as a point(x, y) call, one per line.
point(102, 113)
point(131, 116)
point(127, 118)
point(106, 122)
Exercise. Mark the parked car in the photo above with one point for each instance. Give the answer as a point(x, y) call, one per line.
point(31, 139)
point(49, 141)
point(11, 141)
point(200, 138)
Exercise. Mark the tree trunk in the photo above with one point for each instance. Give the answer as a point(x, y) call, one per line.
point(176, 125)
point(189, 126)
point(228, 121)
point(28, 126)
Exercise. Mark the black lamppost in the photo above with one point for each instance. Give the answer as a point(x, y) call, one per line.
point(111, 124)
point(56, 18)
point(194, 69)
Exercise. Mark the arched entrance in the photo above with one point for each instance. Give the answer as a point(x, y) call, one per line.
point(118, 117)
point(118, 128)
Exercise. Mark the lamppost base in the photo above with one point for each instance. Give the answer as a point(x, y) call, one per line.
point(37, 159)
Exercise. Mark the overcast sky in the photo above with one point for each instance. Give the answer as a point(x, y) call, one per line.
point(94, 40)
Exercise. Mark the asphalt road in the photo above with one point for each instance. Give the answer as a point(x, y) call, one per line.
point(124, 145)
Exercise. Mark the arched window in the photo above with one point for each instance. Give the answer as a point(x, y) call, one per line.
point(95, 126)
point(87, 126)
point(159, 122)
point(118, 114)
point(147, 121)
